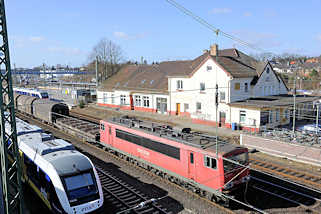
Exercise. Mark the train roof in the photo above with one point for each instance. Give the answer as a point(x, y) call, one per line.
point(178, 134)
point(59, 153)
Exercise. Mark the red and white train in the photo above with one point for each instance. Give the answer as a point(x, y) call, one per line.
point(187, 158)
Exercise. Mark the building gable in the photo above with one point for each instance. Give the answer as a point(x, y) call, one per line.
point(268, 82)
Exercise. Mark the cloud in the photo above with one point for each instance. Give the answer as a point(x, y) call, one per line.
point(65, 50)
point(123, 35)
point(247, 14)
point(318, 37)
point(221, 10)
point(36, 38)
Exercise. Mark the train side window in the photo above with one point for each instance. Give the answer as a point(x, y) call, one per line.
point(210, 162)
point(192, 158)
point(109, 130)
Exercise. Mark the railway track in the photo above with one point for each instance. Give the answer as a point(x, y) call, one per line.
point(303, 178)
point(125, 197)
point(305, 200)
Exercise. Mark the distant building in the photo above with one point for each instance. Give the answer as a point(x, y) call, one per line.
point(251, 95)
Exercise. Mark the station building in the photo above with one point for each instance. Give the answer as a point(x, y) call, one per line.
point(251, 95)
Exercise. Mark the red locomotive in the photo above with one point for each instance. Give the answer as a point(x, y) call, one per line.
point(188, 158)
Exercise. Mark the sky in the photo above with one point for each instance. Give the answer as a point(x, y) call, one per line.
point(64, 32)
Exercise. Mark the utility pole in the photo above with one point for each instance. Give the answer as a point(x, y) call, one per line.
point(217, 121)
point(96, 72)
point(317, 120)
point(11, 171)
point(294, 104)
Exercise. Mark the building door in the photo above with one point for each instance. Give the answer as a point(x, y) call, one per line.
point(161, 104)
point(191, 165)
point(131, 100)
point(178, 108)
point(222, 118)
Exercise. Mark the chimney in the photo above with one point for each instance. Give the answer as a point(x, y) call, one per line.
point(214, 50)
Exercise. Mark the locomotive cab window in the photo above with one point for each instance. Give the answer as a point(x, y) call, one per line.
point(210, 162)
point(102, 126)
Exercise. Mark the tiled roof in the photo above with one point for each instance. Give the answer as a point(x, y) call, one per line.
point(154, 77)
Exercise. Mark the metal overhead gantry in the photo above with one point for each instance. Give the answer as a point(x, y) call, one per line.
point(11, 171)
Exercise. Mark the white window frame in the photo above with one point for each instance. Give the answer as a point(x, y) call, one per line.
point(270, 116)
point(210, 164)
point(246, 87)
point(222, 96)
point(112, 98)
point(202, 86)
point(105, 96)
point(122, 99)
point(179, 84)
point(138, 100)
point(277, 115)
point(242, 116)
point(198, 104)
point(146, 101)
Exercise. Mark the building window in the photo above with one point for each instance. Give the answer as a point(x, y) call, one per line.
point(122, 99)
point(186, 107)
point(179, 84)
point(198, 106)
point(277, 115)
point(210, 162)
point(267, 70)
point(209, 68)
point(138, 101)
point(222, 95)
point(237, 86)
point(146, 101)
point(105, 97)
point(267, 79)
point(286, 113)
point(270, 116)
point(246, 87)
point(112, 99)
point(202, 86)
point(242, 116)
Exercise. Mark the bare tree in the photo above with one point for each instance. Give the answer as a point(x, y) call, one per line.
point(108, 54)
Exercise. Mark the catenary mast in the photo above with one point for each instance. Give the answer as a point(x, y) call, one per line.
point(10, 170)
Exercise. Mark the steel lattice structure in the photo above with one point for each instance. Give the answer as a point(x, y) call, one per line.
point(10, 170)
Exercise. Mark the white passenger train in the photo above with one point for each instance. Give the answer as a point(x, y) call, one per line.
point(32, 92)
point(62, 177)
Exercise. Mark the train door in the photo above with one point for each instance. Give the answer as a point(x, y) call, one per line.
point(191, 165)
point(110, 135)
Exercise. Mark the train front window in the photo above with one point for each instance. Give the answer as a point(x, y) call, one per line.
point(235, 161)
point(44, 95)
point(79, 186)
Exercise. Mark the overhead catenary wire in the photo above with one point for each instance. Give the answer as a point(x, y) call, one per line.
point(213, 28)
